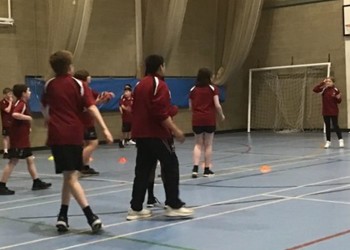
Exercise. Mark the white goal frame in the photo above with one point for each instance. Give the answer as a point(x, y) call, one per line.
point(7, 20)
point(328, 64)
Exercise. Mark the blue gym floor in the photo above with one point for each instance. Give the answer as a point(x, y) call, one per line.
point(303, 203)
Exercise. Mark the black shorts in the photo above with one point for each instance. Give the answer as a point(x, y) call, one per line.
point(90, 134)
point(126, 127)
point(6, 131)
point(67, 157)
point(203, 129)
point(19, 153)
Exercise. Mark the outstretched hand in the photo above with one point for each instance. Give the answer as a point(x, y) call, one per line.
point(179, 136)
point(108, 136)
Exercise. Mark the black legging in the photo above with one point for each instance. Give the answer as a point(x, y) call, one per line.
point(327, 120)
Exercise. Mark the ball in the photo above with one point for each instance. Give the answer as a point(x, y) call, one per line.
point(106, 96)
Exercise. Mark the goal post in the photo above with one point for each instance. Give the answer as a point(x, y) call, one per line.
point(8, 20)
point(281, 97)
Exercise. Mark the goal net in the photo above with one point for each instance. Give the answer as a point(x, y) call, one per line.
point(282, 98)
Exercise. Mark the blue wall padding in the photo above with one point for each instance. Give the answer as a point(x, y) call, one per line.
point(36, 87)
point(179, 88)
point(115, 85)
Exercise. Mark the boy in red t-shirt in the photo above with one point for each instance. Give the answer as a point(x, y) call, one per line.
point(6, 118)
point(125, 105)
point(19, 141)
point(90, 135)
point(64, 100)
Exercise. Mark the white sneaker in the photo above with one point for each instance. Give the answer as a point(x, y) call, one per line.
point(341, 143)
point(179, 212)
point(135, 215)
point(328, 144)
point(131, 142)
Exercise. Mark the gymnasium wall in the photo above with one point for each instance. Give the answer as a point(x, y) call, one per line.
point(109, 50)
point(308, 33)
point(300, 31)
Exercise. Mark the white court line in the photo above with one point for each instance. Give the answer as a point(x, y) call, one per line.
point(187, 221)
point(243, 169)
point(53, 201)
point(199, 218)
point(314, 157)
point(282, 190)
point(81, 178)
point(59, 194)
point(308, 199)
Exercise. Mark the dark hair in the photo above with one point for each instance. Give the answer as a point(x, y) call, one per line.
point(332, 78)
point(81, 74)
point(204, 77)
point(60, 61)
point(127, 87)
point(19, 89)
point(152, 63)
point(6, 91)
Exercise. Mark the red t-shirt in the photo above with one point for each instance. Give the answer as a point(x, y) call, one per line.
point(150, 108)
point(20, 129)
point(329, 101)
point(66, 97)
point(126, 102)
point(6, 118)
point(203, 106)
point(87, 120)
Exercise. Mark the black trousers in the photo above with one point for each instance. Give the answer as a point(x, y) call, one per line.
point(149, 150)
point(327, 120)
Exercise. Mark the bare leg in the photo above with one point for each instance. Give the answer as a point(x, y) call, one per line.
point(208, 148)
point(31, 167)
point(66, 193)
point(8, 170)
point(199, 140)
point(6, 143)
point(89, 148)
point(72, 185)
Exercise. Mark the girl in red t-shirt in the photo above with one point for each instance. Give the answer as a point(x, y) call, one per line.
point(204, 103)
point(331, 97)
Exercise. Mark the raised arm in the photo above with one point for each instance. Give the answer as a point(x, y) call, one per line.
point(319, 87)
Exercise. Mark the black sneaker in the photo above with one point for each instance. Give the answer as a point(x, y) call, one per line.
point(5, 156)
point(195, 172)
point(39, 185)
point(153, 202)
point(89, 172)
point(62, 224)
point(208, 172)
point(6, 191)
point(121, 144)
point(95, 224)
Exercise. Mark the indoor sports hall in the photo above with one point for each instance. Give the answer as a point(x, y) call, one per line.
point(281, 181)
point(301, 204)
